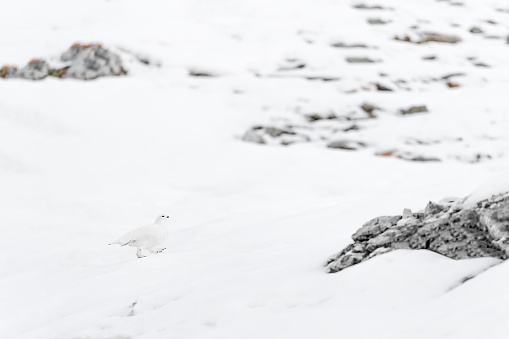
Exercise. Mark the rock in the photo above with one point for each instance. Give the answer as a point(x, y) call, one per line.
point(430, 57)
point(200, 73)
point(375, 21)
point(431, 37)
point(8, 71)
point(359, 60)
point(252, 136)
point(91, 61)
point(445, 228)
point(316, 116)
point(481, 64)
point(277, 132)
point(438, 37)
point(414, 109)
point(432, 209)
point(476, 30)
point(347, 145)
point(369, 108)
point(375, 227)
point(36, 69)
point(381, 87)
point(364, 6)
point(343, 45)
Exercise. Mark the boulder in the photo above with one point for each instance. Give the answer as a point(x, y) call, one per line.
point(8, 71)
point(36, 69)
point(91, 61)
point(445, 228)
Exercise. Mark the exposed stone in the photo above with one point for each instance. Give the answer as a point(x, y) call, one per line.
point(252, 136)
point(381, 87)
point(445, 228)
point(346, 144)
point(8, 71)
point(369, 108)
point(359, 60)
point(414, 109)
point(36, 69)
point(438, 37)
point(364, 6)
point(476, 30)
point(376, 21)
point(276, 132)
point(82, 62)
point(431, 37)
point(91, 61)
point(343, 45)
point(200, 73)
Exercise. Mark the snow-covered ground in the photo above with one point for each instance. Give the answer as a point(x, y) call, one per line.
point(251, 226)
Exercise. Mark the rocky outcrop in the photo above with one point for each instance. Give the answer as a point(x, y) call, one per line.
point(90, 62)
point(81, 61)
point(445, 228)
point(36, 69)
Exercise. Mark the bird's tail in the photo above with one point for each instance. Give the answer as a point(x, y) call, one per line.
point(122, 242)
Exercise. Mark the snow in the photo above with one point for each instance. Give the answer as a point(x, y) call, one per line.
point(251, 225)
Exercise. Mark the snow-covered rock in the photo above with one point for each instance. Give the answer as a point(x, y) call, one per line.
point(91, 61)
point(447, 228)
point(36, 69)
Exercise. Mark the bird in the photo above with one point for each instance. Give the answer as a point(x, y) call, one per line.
point(146, 237)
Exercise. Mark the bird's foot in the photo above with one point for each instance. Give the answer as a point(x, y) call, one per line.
point(139, 254)
point(158, 250)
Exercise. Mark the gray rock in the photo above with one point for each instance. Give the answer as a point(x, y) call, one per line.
point(438, 37)
point(347, 144)
point(476, 30)
point(381, 87)
point(414, 109)
point(369, 108)
point(407, 213)
point(376, 21)
point(277, 132)
point(252, 136)
point(359, 60)
point(8, 71)
point(433, 209)
point(36, 69)
point(91, 61)
point(364, 6)
point(343, 45)
point(447, 229)
point(375, 227)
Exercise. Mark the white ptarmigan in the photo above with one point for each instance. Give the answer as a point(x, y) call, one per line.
point(146, 237)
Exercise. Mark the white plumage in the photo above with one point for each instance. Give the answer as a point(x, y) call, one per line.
point(146, 237)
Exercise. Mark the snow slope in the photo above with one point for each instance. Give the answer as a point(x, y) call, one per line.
point(251, 225)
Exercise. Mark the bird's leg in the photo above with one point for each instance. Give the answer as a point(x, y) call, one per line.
point(156, 250)
point(139, 254)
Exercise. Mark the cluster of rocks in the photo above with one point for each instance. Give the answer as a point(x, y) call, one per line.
point(285, 136)
point(81, 61)
point(446, 228)
point(425, 37)
point(334, 133)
